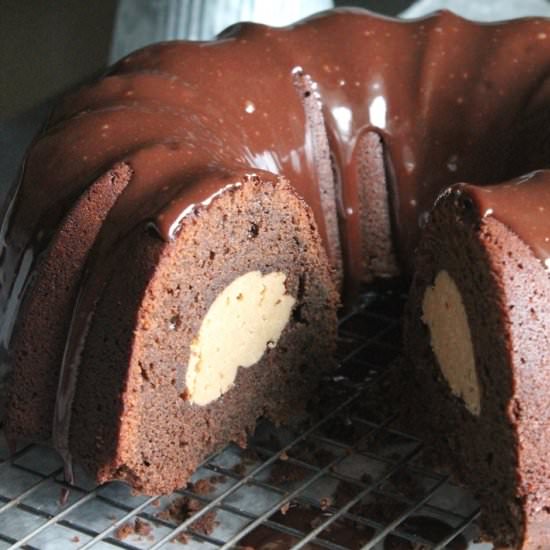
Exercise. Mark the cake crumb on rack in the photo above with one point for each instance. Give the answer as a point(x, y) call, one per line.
point(182, 538)
point(182, 508)
point(124, 531)
point(201, 487)
point(141, 527)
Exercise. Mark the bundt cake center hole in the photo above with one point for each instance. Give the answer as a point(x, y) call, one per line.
point(247, 317)
point(451, 339)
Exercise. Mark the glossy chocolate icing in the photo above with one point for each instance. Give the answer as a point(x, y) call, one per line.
point(522, 204)
point(452, 101)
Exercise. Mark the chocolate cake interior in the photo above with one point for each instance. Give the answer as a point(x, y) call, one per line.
point(151, 319)
point(482, 408)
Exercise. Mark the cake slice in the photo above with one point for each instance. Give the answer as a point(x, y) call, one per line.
point(183, 334)
point(477, 335)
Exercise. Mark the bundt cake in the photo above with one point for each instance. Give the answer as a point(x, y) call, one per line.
point(478, 335)
point(197, 209)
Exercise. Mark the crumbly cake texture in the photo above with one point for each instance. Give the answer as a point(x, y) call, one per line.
point(134, 361)
point(315, 126)
point(502, 453)
point(378, 252)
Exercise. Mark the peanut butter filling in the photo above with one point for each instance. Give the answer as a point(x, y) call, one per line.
point(245, 319)
point(451, 339)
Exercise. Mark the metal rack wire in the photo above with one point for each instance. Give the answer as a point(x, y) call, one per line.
point(311, 485)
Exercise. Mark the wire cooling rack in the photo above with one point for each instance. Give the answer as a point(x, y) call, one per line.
point(344, 479)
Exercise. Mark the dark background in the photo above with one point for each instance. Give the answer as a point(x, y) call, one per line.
point(47, 46)
point(387, 7)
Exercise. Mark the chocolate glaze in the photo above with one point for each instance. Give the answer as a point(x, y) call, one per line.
point(522, 204)
point(452, 101)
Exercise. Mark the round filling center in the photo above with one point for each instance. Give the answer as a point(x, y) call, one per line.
point(451, 339)
point(247, 317)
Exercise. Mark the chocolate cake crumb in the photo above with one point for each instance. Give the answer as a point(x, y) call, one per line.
point(205, 524)
point(182, 538)
point(124, 531)
point(142, 528)
point(201, 487)
point(182, 508)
